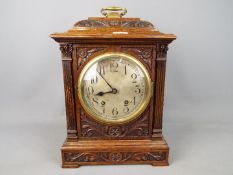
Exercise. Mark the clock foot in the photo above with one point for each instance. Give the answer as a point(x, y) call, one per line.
point(160, 164)
point(70, 166)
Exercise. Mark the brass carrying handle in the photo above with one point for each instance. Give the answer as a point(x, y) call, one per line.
point(113, 12)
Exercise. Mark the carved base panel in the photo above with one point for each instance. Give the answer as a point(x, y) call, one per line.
point(100, 152)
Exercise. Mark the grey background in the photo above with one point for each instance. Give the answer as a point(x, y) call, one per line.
point(198, 116)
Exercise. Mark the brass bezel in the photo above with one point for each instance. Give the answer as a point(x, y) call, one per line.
point(141, 108)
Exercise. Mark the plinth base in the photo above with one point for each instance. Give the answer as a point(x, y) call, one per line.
point(109, 152)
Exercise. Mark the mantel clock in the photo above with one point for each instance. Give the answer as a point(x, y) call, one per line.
point(114, 72)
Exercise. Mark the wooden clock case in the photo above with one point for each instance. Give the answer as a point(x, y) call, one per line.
point(89, 142)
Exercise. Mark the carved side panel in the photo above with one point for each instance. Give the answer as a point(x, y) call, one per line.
point(114, 157)
point(67, 51)
point(91, 128)
point(83, 53)
point(159, 92)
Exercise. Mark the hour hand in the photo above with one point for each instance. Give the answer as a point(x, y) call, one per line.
point(100, 93)
point(113, 91)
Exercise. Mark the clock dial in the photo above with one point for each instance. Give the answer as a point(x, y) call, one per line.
point(115, 88)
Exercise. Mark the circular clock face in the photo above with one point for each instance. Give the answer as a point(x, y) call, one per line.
point(114, 88)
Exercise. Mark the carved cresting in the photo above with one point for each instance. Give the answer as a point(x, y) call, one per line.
point(114, 23)
point(67, 50)
point(120, 157)
point(162, 49)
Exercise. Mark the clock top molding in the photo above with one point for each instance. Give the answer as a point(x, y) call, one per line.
point(112, 26)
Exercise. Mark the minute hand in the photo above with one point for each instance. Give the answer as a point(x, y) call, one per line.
point(105, 80)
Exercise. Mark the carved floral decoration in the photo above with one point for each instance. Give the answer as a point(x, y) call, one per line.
point(66, 50)
point(91, 128)
point(114, 156)
point(84, 53)
point(144, 54)
point(114, 23)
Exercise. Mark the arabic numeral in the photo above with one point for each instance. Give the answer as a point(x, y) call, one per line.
point(101, 69)
point(113, 66)
point(94, 80)
point(134, 77)
point(125, 109)
point(138, 90)
point(90, 90)
point(114, 111)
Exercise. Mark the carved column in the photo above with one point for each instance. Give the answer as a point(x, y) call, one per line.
point(159, 88)
point(67, 50)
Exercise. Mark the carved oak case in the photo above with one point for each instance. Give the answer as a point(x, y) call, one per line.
point(89, 141)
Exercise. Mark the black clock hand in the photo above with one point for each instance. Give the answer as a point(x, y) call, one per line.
point(113, 91)
point(105, 80)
